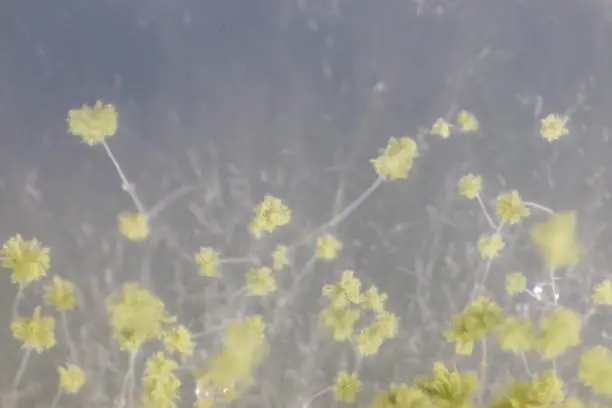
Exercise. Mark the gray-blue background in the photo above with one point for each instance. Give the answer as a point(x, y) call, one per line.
point(293, 98)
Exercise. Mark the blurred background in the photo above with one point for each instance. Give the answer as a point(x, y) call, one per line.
point(238, 99)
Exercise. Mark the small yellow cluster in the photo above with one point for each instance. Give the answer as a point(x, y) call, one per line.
point(510, 207)
point(260, 281)
point(178, 339)
point(489, 246)
point(280, 257)
point(470, 185)
point(93, 123)
point(270, 214)
point(60, 294)
point(344, 292)
point(136, 316)
point(327, 247)
point(160, 384)
point(28, 260)
point(346, 387)
point(133, 226)
point(553, 127)
point(467, 121)
point(208, 261)
point(602, 293)
point(396, 159)
point(71, 378)
point(515, 283)
point(36, 332)
point(473, 323)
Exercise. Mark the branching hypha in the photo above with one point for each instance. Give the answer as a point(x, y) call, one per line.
point(160, 348)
